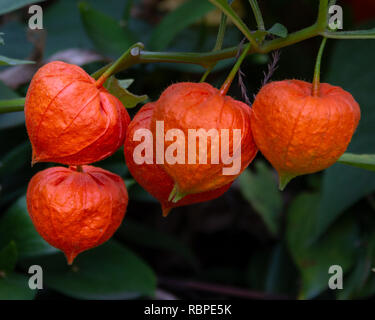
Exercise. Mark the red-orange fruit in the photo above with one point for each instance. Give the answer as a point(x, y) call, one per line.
point(300, 133)
point(69, 119)
point(194, 106)
point(76, 211)
point(152, 177)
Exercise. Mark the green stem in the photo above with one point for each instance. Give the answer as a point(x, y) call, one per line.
point(206, 60)
point(121, 63)
point(221, 33)
point(218, 44)
point(349, 35)
point(257, 14)
point(225, 8)
point(323, 14)
point(316, 82)
point(12, 105)
point(207, 72)
point(226, 85)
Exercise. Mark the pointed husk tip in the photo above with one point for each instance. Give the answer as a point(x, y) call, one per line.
point(70, 256)
point(284, 179)
point(165, 211)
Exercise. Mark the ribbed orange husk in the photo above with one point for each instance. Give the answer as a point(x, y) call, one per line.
point(76, 211)
point(197, 106)
point(152, 177)
point(69, 120)
point(299, 133)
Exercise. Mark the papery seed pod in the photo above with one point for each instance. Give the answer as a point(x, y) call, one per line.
point(300, 133)
point(75, 211)
point(195, 106)
point(152, 176)
point(69, 119)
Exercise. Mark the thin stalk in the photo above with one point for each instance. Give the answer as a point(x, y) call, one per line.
point(236, 20)
point(316, 81)
point(322, 20)
point(227, 83)
point(257, 14)
point(79, 169)
point(207, 72)
point(218, 44)
point(348, 35)
point(12, 105)
point(132, 53)
point(221, 33)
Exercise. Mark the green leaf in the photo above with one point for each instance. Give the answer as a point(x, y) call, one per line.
point(368, 289)
point(337, 247)
point(359, 282)
point(272, 270)
point(125, 83)
point(11, 5)
point(105, 32)
point(257, 270)
point(343, 186)
point(5, 61)
point(12, 285)
point(278, 30)
point(260, 190)
point(15, 287)
point(8, 258)
point(118, 89)
point(149, 237)
point(16, 225)
point(176, 21)
point(109, 271)
point(364, 161)
point(281, 273)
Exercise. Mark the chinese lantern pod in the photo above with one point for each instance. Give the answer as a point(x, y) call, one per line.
point(299, 133)
point(194, 106)
point(76, 211)
point(69, 119)
point(152, 176)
